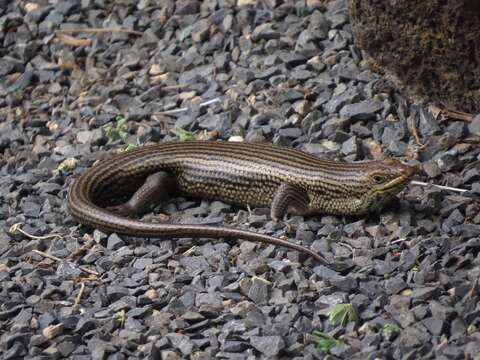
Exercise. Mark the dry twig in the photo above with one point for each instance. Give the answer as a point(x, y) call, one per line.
point(176, 111)
point(73, 41)
point(99, 30)
point(345, 245)
point(80, 293)
point(84, 269)
point(16, 228)
point(414, 131)
point(458, 115)
point(421, 183)
point(81, 250)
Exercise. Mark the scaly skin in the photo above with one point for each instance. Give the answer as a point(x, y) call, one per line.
point(239, 173)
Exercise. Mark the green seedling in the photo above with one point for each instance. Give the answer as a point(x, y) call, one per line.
point(182, 134)
point(120, 317)
point(390, 329)
point(118, 132)
point(324, 342)
point(130, 147)
point(342, 314)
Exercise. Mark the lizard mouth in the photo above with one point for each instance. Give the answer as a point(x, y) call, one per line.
point(397, 184)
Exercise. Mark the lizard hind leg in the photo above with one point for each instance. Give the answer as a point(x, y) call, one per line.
point(157, 188)
point(288, 197)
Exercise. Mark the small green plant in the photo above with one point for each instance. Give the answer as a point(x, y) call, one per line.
point(182, 134)
point(325, 342)
point(390, 329)
point(342, 314)
point(118, 132)
point(130, 147)
point(120, 317)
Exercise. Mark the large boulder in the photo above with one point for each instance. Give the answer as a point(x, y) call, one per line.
point(431, 47)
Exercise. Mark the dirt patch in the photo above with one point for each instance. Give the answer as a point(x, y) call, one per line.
point(431, 46)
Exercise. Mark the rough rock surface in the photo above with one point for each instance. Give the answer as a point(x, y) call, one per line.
point(431, 46)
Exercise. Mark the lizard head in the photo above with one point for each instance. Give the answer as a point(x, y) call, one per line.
point(384, 179)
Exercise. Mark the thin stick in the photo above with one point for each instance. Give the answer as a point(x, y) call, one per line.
point(172, 87)
point(413, 129)
point(473, 289)
point(80, 293)
point(471, 140)
point(190, 251)
point(44, 254)
point(73, 41)
point(398, 241)
point(16, 228)
point(87, 270)
point(175, 111)
point(459, 115)
point(438, 186)
point(98, 30)
point(348, 246)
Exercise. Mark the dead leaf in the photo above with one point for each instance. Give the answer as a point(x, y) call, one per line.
point(435, 111)
point(375, 149)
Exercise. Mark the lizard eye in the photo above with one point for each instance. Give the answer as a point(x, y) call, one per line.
point(379, 179)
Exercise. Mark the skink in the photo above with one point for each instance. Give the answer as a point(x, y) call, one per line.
point(256, 175)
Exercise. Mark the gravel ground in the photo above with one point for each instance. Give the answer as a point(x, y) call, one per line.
point(265, 71)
